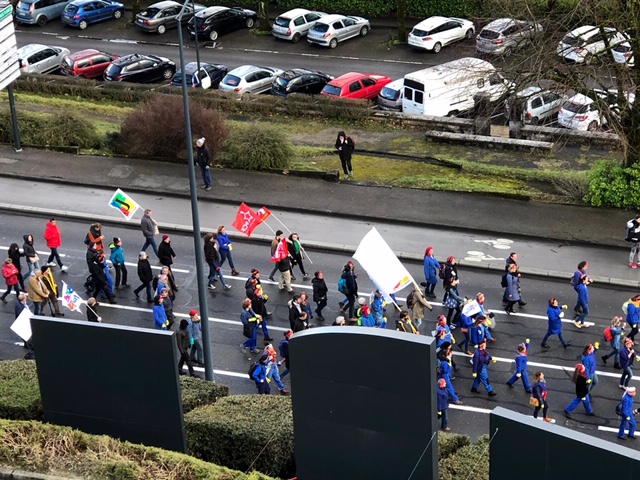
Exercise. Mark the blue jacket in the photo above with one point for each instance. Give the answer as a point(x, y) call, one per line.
point(576, 278)
point(521, 362)
point(260, 373)
point(117, 254)
point(583, 295)
point(477, 334)
point(446, 369)
point(195, 329)
point(511, 292)
point(159, 317)
point(431, 268)
point(223, 242)
point(626, 357)
point(247, 315)
point(367, 321)
point(617, 334)
point(555, 322)
point(481, 359)
point(539, 391)
point(467, 322)
point(442, 397)
point(589, 362)
point(446, 337)
point(627, 405)
point(633, 313)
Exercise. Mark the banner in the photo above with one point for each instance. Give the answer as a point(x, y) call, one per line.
point(22, 325)
point(247, 220)
point(70, 298)
point(263, 214)
point(471, 308)
point(124, 204)
point(381, 264)
point(282, 251)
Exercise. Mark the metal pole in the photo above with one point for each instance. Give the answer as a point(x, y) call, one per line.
point(197, 241)
point(193, 5)
point(14, 118)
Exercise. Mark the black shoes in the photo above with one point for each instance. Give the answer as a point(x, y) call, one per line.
point(604, 359)
point(546, 345)
point(567, 344)
point(492, 393)
point(510, 385)
point(475, 390)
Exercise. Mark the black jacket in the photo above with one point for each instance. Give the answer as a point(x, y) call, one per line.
point(352, 285)
point(15, 257)
point(319, 289)
point(144, 271)
point(284, 265)
point(345, 148)
point(582, 389)
point(28, 248)
point(165, 254)
point(211, 254)
point(203, 156)
point(92, 313)
point(97, 272)
point(450, 271)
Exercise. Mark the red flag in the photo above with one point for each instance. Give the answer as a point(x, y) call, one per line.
point(261, 215)
point(245, 220)
point(282, 251)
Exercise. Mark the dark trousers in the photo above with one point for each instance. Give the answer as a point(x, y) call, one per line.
point(263, 388)
point(346, 165)
point(429, 289)
point(121, 273)
point(544, 410)
point(150, 242)
point(101, 287)
point(54, 254)
point(148, 287)
point(321, 304)
point(9, 287)
point(297, 260)
point(184, 358)
point(352, 300)
point(54, 301)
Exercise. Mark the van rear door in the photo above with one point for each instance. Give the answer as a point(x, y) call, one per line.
point(413, 101)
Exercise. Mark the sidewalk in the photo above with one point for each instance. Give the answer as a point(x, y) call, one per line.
point(552, 238)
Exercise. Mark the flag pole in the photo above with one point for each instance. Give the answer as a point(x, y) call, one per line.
point(269, 227)
point(287, 228)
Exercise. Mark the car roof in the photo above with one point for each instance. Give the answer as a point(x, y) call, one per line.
point(191, 67)
point(396, 84)
point(580, 99)
point(501, 24)
point(431, 22)
point(331, 18)
point(164, 4)
point(32, 47)
point(244, 70)
point(587, 31)
point(89, 52)
point(342, 80)
point(211, 11)
point(294, 13)
point(133, 57)
point(527, 92)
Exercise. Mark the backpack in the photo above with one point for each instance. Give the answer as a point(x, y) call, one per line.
point(342, 286)
point(410, 302)
point(353, 143)
point(629, 235)
point(441, 272)
point(281, 347)
point(87, 240)
point(625, 308)
point(503, 282)
point(619, 409)
point(608, 336)
point(252, 369)
point(247, 330)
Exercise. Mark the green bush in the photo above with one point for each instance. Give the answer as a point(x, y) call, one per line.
point(244, 432)
point(36, 128)
point(450, 443)
point(472, 459)
point(197, 392)
point(257, 147)
point(612, 185)
point(39, 447)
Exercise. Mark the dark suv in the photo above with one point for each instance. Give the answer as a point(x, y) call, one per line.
point(140, 68)
point(214, 21)
point(300, 80)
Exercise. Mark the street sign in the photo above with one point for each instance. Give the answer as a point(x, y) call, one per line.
point(9, 68)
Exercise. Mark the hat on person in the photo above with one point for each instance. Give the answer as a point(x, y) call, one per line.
point(278, 233)
point(193, 312)
point(44, 268)
point(340, 320)
point(116, 240)
point(442, 383)
point(164, 237)
point(362, 301)
point(631, 389)
point(200, 141)
point(288, 334)
point(365, 310)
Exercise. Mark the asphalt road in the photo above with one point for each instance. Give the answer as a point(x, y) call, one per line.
point(231, 365)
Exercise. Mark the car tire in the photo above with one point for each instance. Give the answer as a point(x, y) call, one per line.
point(117, 14)
point(161, 29)
point(295, 38)
point(437, 47)
point(250, 22)
point(592, 126)
point(167, 73)
point(213, 35)
point(83, 24)
point(333, 43)
point(42, 21)
point(469, 34)
point(534, 121)
point(364, 31)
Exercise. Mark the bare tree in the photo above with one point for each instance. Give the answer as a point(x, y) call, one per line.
point(401, 13)
point(263, 16)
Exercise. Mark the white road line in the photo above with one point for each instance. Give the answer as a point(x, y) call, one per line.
point(39, 252)
point(175, 270)
point(469, 409)
point(611, 429)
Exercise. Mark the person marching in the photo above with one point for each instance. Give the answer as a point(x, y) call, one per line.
point(466, 324)
point(403, 323)
point(250, 323)
point(272, 367)
point(203, 160)
point(145, 275)
point(296, 252)
point(15, 255)
point(633, 236)
point(613, 335)
point(633, 315)
point(10, 274)
point(575, 281)
point(195, 333)
point(582, 392)
point(159, 315)
point(431, 269)
point(54, 239)
point(149, 229)
point(589, 362)
point(260, 376)
point(443, 332)
point(627, 413)
point(442, 398)
point(31, 255)
point(183, 340)
point(50, 283)
point(117, 258)
point(583, 301)
point(480, 331)
point(627, 355)
point(521, 367)
point(417, 303)
point(446, 370)
point(377, 309)
point(226, 247)
point(320, 291)
point(512, 290)
point(555, 315)
point(481, 360)
point(539, 392)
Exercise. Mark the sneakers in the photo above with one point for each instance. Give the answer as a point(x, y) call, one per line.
point(633, 265)
point(577, 324)
point(51, 264)
point(284, 392)
point(211, 287)
point(546, 345)
point(272, 279)
point(255, 350)
point(458, 402)
point(306, 275)
point(243, 349)
point(492, 393)
point(207, 188)
point(227, 287)
point(64, 268)
point(548, 420)
point(622, 387)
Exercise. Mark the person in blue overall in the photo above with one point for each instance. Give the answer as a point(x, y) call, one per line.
point(431, 269)
point(582, 392)
point(628, 413)
point(442, 400)
point(446, 369)
point(589, 362)
point(521, 367)
point(555, 314)
point(481, 360)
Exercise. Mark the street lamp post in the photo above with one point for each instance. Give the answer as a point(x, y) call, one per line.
point(197, 241)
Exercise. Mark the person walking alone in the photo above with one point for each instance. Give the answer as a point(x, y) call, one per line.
point(633, 236)
point(195, 332)
point(145, 275)
point(184, 344)
point(10, 274)
point(555, 314)
point(117, 258)
point(345, 146)
point(225, 247)
point(582, 392)
point(53, 238)
point(165, 252)
point(583, 302)
point(203, 160)
point(539, 392)
point(627, 416)
point(149, 231)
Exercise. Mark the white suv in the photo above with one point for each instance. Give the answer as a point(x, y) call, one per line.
point(581, 113)
point(585, 43)
point(535, 105)
point(294, 24)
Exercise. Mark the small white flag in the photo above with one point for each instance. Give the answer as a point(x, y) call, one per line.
point(70, 298)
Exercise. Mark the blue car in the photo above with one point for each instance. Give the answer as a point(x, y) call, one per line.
point(80, 13)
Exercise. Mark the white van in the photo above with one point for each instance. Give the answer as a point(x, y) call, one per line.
point(449, 88)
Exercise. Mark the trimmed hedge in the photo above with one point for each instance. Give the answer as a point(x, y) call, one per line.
point(450, 443)
point(244, 432)
point(257, 147)
point(197, 392)
point(44, 448)
point(472, 459)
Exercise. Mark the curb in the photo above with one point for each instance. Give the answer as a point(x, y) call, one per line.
point(332, 247)
point(11, 474)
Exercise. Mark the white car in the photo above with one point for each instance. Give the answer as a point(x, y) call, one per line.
point(585, 43)
point(622, 53)
point(36, 58)
point(436, 32)
point(535, 105)
point(294, 24)
point(504, 35)
point(333, 29)
point(249, 79)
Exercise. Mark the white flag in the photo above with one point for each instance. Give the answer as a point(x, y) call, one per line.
point(22, 324)
point(70, 298)
point(124, 204)
point(381, 264)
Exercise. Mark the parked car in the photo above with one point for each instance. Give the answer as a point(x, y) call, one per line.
point(81, 13)
point(208, 76)
point(585, 43)
point(504, 35)
point(88, 63)
point(214, 21)
point(436, 32)
point(356, 85)
point(622, 53)
point(329, 30)
point(300, 80)
point(163, 15)
point(390, 97)
point(39, 11)
point(140, 69)
point(36, 58)
point(294, 24)
point(535, 105)
point(249, 79)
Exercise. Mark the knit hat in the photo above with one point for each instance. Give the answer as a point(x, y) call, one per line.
point(200, 141)
point(193, 312)
point(631, 389)
point(44, 268)
point(288, 334)
point(442, 383)
point(164, 237)
point(362, 301)
point(340, 320)
point(116, 240)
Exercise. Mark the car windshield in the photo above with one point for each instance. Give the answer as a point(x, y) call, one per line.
point(572, 41)
point(177, 78)
point(283, 82)
point(622, 48)
point(71, 9)
point(489, 34)
point(68, 62)
point(575, 107)
point(416, 32)
point(282, 22)
point(23, 5)
point(320, 27)
point(331, 90)
point(390, 94)
point(113, 70)
point(231, 80)
point(150, 12)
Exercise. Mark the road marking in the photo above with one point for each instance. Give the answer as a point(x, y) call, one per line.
point(39, 252)
point(469, 409)
point(176, 270)
point(611, 429)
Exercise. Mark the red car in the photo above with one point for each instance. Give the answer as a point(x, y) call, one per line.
point(88, 63)
point(356, 85)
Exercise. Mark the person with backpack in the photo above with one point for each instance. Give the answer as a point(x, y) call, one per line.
point(481, 360)
point(521, 361)
point(583, 302)
point(272, 367)
point(627, 413)
point(446, 368)
point(512, 290)
point(350, 286)
point(453, 301)
point(555, 315)
point(345, 147)
point(417, 303)
point(283, 349)
point(403, 323)
point(250, 323)
point(613, 334)
point(582, 392)
point(633, 315)
point(258, 372)
point(575, 281)
point(117, 258)
point(442, 402)
point(539, 392)
point(633, 236)
point(589, 362)
point(627, 355)
point(431, 272)
point(512, 259)
point(320, 291)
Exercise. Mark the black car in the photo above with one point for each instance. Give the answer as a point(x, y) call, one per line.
point(214, 21)
point(300, 80)
point(140, 68)
point(208, 76)
point(163, 15)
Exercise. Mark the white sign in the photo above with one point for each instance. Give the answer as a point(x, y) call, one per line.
point(9, 68)
point(22, 325)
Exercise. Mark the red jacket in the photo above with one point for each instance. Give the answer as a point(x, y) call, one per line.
point(10, 274)
point(52, 235)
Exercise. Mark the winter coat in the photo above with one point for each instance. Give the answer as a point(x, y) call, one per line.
point(97, 272)
point(617, 334)
point(50, 282)
point(260, 373)
point(284, 265)
point(165, 254)
point(148, 226)
point(450, 271)
point(10, 274)
point(583, 295)
point(319, 289)
point(223, 242)
point(294, 313)
point(28, 248)
point(511, 292)
point(633, 313)
point(539, 391)
point(555, 321)
point(589, 362)
point(442, 397)
point(627, 405)
point(203, 156)
point(431, 268)
point(478, 334)
point(19, 308)
point(92, 313)
point(352, 285)
point(15, 255)
point(626, 357)
point(52, 235)
point(195, 329)
point(481, 359)
point(419, 304)
point(94, 237)
point(144, 271)
point(367, 321)
point(582, 390)
point(182, 339)
point(445, 369)
point(211, 254)
point(467, 322)
point(117, 254)
point(159, 317)
point(345, 147)
point(300, 325)
point(37, 290)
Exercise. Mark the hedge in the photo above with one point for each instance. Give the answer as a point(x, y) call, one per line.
point(52, 449)
point(255, 146)
point(244, 432)
point(470, 461)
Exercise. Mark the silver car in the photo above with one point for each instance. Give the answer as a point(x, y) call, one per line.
point(249, 79)
point(535, 105)
point(163, 15)
point(332, 29)
point(39, 11)
point(36, 58)
point(294, 24)
point(504, 35)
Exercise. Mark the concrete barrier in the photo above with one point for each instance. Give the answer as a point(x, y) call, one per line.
point(489, 142)
point(564, 136)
